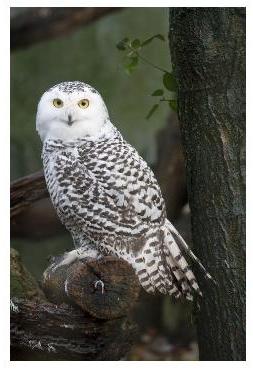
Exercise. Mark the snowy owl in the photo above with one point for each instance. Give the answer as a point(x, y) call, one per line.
point(105, 193)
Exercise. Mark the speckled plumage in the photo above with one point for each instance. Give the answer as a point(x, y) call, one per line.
point(108, 198)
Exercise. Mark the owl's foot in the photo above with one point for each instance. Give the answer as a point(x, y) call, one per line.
point(79, 254)
point(99, 282)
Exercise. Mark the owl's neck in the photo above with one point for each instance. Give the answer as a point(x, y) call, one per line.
point(81, 131)
point(109, 132)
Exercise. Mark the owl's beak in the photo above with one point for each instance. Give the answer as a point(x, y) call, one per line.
point(70, 120)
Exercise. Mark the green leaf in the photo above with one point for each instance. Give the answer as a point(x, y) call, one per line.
point(133, 61)
point(157, 93)
point(131, 65)
point(147, 41)
point(169, 82)
point(122, 45)
point(152, 111)
point(173, 105)
point(136, 43)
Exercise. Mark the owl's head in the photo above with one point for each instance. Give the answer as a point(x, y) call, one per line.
point(71, 110)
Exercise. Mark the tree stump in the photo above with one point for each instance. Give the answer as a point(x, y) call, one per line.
point(105, 288)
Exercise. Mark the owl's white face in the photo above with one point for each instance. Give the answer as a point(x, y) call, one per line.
point(71, 110)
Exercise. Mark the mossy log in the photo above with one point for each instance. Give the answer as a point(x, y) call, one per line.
point(106, 288)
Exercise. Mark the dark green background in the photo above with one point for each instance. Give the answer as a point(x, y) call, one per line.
point(90, 54)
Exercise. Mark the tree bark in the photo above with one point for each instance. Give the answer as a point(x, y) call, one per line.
point(208, 57)
point(38, 24)
point(45, 331)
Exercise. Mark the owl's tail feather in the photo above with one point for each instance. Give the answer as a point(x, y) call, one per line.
point(182, 244)
point(164, 268)
point(153, 275)
point(179, 278)
point(174, 247)
point(183, 275)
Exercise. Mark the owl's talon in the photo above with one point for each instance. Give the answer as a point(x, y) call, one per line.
point(102, 285)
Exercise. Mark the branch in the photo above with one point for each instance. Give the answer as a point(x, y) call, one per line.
point(27, 190)
point(40, 24)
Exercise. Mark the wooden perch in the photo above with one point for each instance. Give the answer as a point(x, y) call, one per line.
point(45, 331)
point(41, 330)
point(106, 288)
point(38, 24)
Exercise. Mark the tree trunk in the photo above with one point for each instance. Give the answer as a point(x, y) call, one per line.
point(208, 56)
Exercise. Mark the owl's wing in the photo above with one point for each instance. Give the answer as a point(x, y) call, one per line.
point(133, 189)
point(119, 197)
point(139, 192)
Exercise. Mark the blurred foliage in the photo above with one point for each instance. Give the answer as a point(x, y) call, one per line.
point(89, 55)
point(23, 284)
point(36, 254)
point(132, 56)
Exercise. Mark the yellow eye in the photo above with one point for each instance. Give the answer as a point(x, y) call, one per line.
point(58, 103)
point(83, 103)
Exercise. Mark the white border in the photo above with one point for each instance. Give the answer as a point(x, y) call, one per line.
point(4, 183)
point(5, 163)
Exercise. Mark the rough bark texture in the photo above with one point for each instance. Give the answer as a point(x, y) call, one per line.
point(40, 24)
point(45, 331)
point(208, 55)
